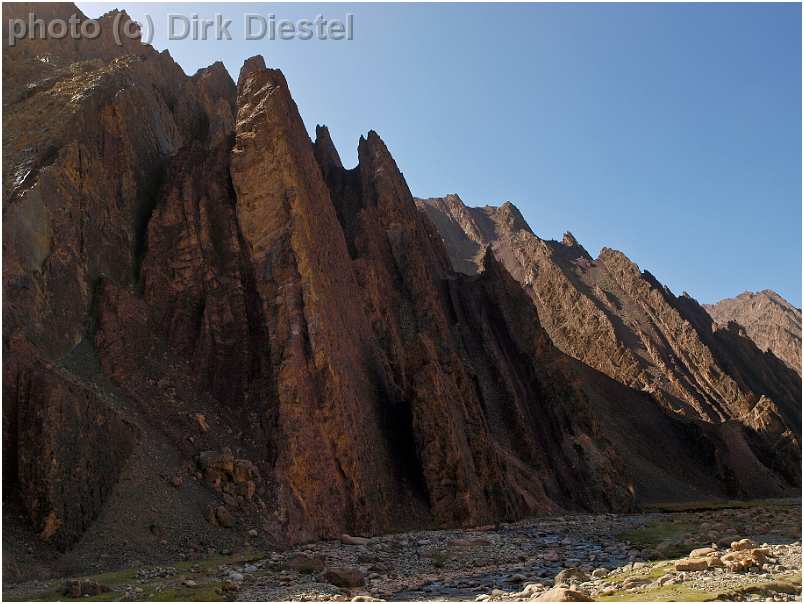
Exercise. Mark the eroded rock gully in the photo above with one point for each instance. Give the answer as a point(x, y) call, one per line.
point(189, 277)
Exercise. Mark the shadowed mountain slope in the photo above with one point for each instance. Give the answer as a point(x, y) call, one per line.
point(613, 317)
point(213, 329)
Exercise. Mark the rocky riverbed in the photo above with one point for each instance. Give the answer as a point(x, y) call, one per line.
point(745, 553)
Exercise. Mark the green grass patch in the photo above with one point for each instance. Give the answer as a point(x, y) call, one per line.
point(665, 536)
point(54, 592)
point(790, 584)
point(666, 593)
point(657, 570)
point(720, 504)
point(203, 593)
point(57, 595)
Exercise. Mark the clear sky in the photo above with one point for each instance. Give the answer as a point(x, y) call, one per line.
point(671, 132)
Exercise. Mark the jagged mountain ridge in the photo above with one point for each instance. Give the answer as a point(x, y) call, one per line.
point(769, 320)
point(623, 322)
point(239, 331)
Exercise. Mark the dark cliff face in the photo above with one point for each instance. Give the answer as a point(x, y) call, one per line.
point(615, 318)
point(223, 315)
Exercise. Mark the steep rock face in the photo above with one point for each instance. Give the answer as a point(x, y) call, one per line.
point(769, 320)
point(189, 278)
point(68, 445)
point(620, 320)
point(90, 125)
point(333, 462)
point(464, 415)
point(194, 275)
point(94, 129)
point(590, 440)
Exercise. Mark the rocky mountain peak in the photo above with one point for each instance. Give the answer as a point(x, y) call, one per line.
point(372, 148)
point(325, 152)
point(508, 217)
point(217, 78)
point(251, 65)
point(769, 320)
point(569, 239)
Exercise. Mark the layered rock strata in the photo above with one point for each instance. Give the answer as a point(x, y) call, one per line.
point(187, 273)
point(614, 317)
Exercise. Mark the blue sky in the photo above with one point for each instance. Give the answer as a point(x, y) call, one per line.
point(671, 132)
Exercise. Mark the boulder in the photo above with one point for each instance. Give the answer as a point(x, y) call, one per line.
point(532, 588)
point(244, 471)
point(222, 461)
point(350, 540)
point(77, 588)
point(224, 517)
point(305, 564)
point(742, 560)
point(702, 552)
point(345, 576)
point(562, 594)
point(201, 420)
point(742, 544)
point(550, 555)
point(571, 575)
point(635, 581)
point(691, 564)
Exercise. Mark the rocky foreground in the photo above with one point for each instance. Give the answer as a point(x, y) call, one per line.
point(746, 553)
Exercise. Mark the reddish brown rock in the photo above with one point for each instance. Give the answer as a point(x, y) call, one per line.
point(66, 443)
point(177, 248)
point(305, 564)
point(332, 465)
point(768, 319)
point(620, 320)
point(345, 577)
point(471, 427)
point(90, 132)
